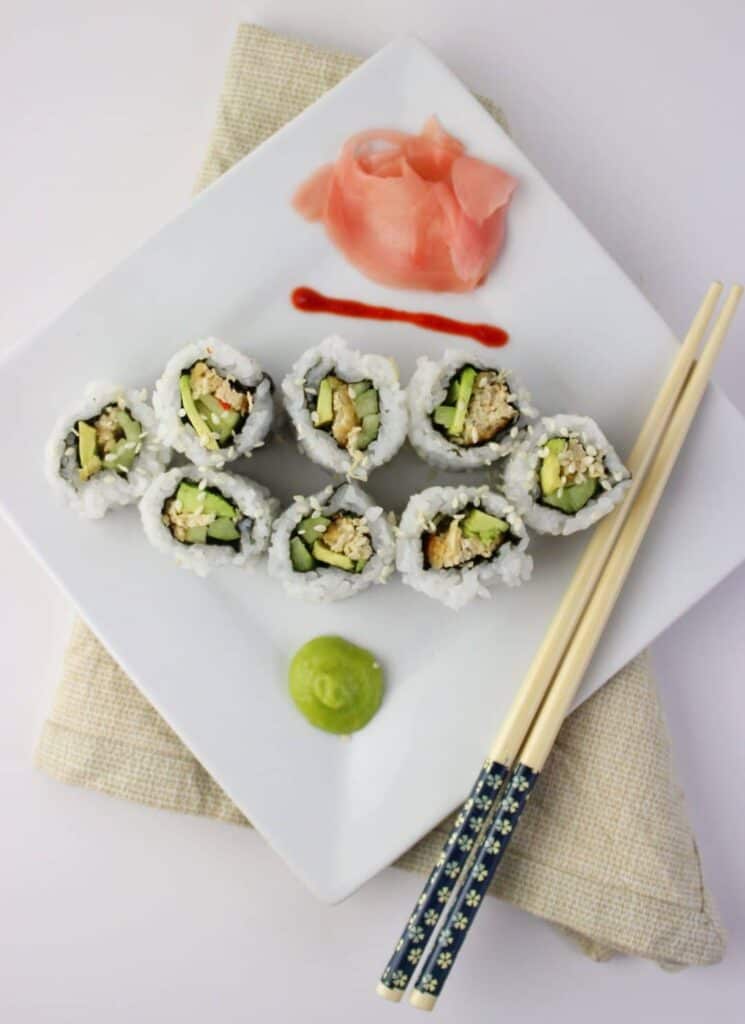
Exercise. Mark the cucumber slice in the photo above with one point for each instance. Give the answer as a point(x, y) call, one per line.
point(301, 558)
point(368, 432)
point(189, 495)
point(223, 529)
point(360, 387)
point(573, 498)
point(221, 421)
point(366, 404)
point(307, 528)
point(219, 506)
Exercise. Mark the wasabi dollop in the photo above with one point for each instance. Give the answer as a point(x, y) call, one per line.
point(336, 685)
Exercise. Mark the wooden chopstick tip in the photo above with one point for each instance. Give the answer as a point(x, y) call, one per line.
point(393, 995)
point(422, 1000)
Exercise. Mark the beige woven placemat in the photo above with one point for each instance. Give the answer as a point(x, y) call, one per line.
point(604, 849)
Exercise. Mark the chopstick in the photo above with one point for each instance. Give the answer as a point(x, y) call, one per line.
point(480, 802)
point(545, 727)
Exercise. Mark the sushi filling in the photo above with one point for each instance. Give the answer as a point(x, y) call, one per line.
point(216, 405)
point(202, 515)
point(340, 541)
point(350, 412)
point(112, 440)
point(571, 473)
point(462, 540)
point(478, 407)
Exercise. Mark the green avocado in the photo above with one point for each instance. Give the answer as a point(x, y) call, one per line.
point(196, 535)
point(90, 463)
point(196, 419)
point(335, 685)
point(323, 554)
point(465, 390)
point(443, 416)
point(572, 499)
point(223, 529)
point(301, 558)
point(368, 431)
point(124, 452)
point(550, 468)
point(325, 402)
point(481, 524)
point(307, 528)
point(366, 404)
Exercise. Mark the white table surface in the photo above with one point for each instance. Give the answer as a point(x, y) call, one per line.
point(113, 912)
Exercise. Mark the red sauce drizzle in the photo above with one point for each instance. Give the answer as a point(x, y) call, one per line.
point(309, 301)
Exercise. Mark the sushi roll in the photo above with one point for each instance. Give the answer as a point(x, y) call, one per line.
point(332, 545)
point(458, 543)
point(105, 451)
point(464, 413)
point(213, 403)
point(348, 408)
point(204, 519)
point(565, 475)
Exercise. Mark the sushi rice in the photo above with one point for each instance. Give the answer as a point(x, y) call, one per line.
point(174, 426)
point(300, 390)
point(522, 475)
point(253, 502)
point(106, 487)
point(456, 587)
point(327, 582)
point(428, 390)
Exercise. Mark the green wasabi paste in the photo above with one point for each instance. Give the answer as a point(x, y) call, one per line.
point(336, 685)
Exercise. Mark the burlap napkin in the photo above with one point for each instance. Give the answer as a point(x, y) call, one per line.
point(605, 850)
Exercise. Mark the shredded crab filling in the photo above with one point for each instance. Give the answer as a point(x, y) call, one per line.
point(449, 544)
point(205, 380)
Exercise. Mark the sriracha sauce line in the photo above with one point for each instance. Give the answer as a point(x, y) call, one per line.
point(309, 301)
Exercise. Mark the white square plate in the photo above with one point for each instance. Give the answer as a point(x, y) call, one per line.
point(212, 655)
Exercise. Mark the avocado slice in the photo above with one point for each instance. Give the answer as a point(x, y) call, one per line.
point(368, 432)
point(481, 524)
point(90, 463)
point(220, 507)
point(550, 476)
point(221, 421)
point(307, 528)
point(572, 498)
point(443, 416)
point(465, 390)
point(323, 554)
point(301, 558)
point(197, 421)
point(196, 535)
point(325, 402)
point(366, 404)
point(223, 529)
